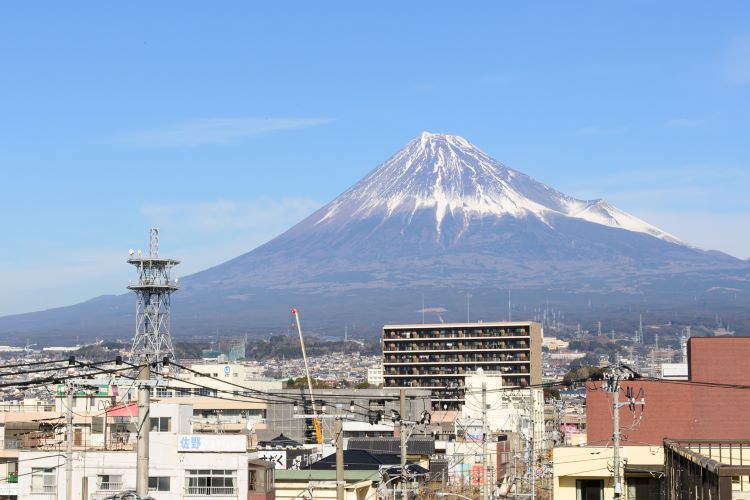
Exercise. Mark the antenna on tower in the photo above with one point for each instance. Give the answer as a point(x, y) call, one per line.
point(153, 340)
point(153, 242)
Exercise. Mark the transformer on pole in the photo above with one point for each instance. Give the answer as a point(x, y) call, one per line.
point(153, 289)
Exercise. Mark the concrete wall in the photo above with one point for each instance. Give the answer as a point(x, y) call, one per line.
point(719, 359)
point(536, 353)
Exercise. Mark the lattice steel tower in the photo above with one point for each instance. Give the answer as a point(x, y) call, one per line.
point(153, 290)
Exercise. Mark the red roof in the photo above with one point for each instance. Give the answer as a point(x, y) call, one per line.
point(126, 410)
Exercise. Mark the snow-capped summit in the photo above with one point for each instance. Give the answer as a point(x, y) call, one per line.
point(450, 176)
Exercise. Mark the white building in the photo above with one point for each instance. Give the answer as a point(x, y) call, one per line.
point(674, 371)
point(182, 465)
point(375, 375)
point(223, 377)
point(510, 410)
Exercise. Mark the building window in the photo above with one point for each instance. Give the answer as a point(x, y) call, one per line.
point(97, 425)
point(261, 481)
point(589, 489)
point(108, 482)
point(159, 483)
point(161, 424)
point(182, 393)
point(645, 488)
point(43, 481)
point(214, 482)
point(163, 392)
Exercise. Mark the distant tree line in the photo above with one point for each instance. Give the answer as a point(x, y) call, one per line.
point(283, 346)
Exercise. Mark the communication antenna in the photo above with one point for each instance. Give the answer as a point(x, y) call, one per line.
point(153, 340)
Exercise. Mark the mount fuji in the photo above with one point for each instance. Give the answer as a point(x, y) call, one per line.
point(439, 219)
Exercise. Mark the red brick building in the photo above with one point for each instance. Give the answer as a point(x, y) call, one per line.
point(680, 409)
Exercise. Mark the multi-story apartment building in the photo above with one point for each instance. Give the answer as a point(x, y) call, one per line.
point(440, 356)
point(375, 375)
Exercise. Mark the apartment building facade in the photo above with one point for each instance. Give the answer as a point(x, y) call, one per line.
point(183, 464)
point(441, 356)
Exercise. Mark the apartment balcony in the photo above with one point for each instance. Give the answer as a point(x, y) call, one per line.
point(413, 350)
point(459, 360)
point(9, 489)
point(213, 491)
point(9, 444)
point(109, 486)
point(715, 469)
point(44, 489)
point(456, 338)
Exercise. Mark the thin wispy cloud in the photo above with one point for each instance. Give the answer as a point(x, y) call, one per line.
point(216, 131)
point(221, 215)
point(709, 231)
point(697, 203)
point(708, 186)
point(68, 279)
point(207, 233)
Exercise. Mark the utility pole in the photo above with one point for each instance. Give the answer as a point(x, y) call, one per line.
point(144, 428)
point(485, 485)
point(402, 428)
point(616, 437)
point(69, 388)
point(338, 430)
point(612, 385)
point(532, 455)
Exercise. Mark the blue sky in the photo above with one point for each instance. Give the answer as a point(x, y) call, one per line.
point(225, 123)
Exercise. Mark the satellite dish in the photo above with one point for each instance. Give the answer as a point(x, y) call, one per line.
point(131, 252)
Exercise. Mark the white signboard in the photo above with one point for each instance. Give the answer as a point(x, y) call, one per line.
point(277, 457)
point(211, 443)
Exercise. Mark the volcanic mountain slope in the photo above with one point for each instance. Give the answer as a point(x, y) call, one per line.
point(441, 212)
point(438, 216)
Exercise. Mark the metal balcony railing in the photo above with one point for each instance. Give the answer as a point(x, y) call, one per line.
point(203, 491)
point(9, 444)
point(109, 486)
point(45, 489)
